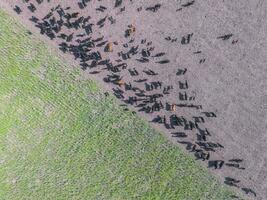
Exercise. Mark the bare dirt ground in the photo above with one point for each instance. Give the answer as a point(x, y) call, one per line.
point(195, 69)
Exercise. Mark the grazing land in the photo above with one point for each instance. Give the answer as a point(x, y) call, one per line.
point(62, 137)
point(195, 70)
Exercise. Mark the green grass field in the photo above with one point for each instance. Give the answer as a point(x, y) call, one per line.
point(61, 138)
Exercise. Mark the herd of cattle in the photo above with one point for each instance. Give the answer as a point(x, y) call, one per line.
point(75, 34)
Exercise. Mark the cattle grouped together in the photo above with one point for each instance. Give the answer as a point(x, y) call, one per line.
point(75, 34)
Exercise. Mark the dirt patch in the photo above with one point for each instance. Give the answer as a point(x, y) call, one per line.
point(195, 69)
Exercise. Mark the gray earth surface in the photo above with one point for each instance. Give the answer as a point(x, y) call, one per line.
point(196, 70)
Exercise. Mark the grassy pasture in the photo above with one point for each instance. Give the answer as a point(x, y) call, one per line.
point(61, 138)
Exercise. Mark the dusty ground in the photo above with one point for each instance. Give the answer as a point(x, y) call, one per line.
point(226, 76)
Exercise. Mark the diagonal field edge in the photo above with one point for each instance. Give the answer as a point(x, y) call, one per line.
point(95, 99)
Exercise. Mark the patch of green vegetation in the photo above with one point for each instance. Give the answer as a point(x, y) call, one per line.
point(61, 138)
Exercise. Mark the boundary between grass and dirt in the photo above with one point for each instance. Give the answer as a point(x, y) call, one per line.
point(183, 152)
